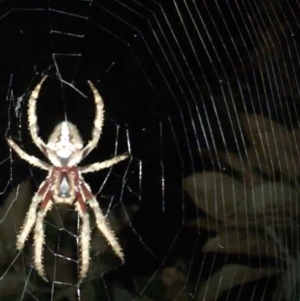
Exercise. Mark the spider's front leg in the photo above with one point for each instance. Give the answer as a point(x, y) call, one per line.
point(32, 118)
point(98, 121)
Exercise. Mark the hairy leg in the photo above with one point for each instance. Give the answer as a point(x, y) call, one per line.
point(31, 215)
point(85, 235)
point(101, 165)
point(101, 222)
point(30, 159)
point(39, 235)
point(98, 121)
point(32, 118)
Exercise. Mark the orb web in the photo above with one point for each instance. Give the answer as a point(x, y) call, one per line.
point(204, 96)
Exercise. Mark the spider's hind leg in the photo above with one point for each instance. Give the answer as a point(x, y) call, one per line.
point(85, 235)
point(101, 222)
point(31, 215)
point(39, 235)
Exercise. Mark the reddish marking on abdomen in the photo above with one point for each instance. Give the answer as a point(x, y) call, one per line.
point(71, 173)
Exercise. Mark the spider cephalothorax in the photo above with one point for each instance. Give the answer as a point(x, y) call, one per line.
point(64, 183)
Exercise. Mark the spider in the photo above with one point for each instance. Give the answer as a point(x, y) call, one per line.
point(64, 183)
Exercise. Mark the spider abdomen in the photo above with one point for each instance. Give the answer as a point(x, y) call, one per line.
point(65, 181)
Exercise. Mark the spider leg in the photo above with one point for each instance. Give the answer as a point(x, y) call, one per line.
point(31, 215)
point(101, 222)
point(101, 165)
point(39, 236)
point(85, 235)
point(30, 159)
point(98, 121)
point(32, 118)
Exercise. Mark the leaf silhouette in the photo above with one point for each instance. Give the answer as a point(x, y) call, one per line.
point(217, 194)
point(222, 197)
point(236, 241)
point(273, 146)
